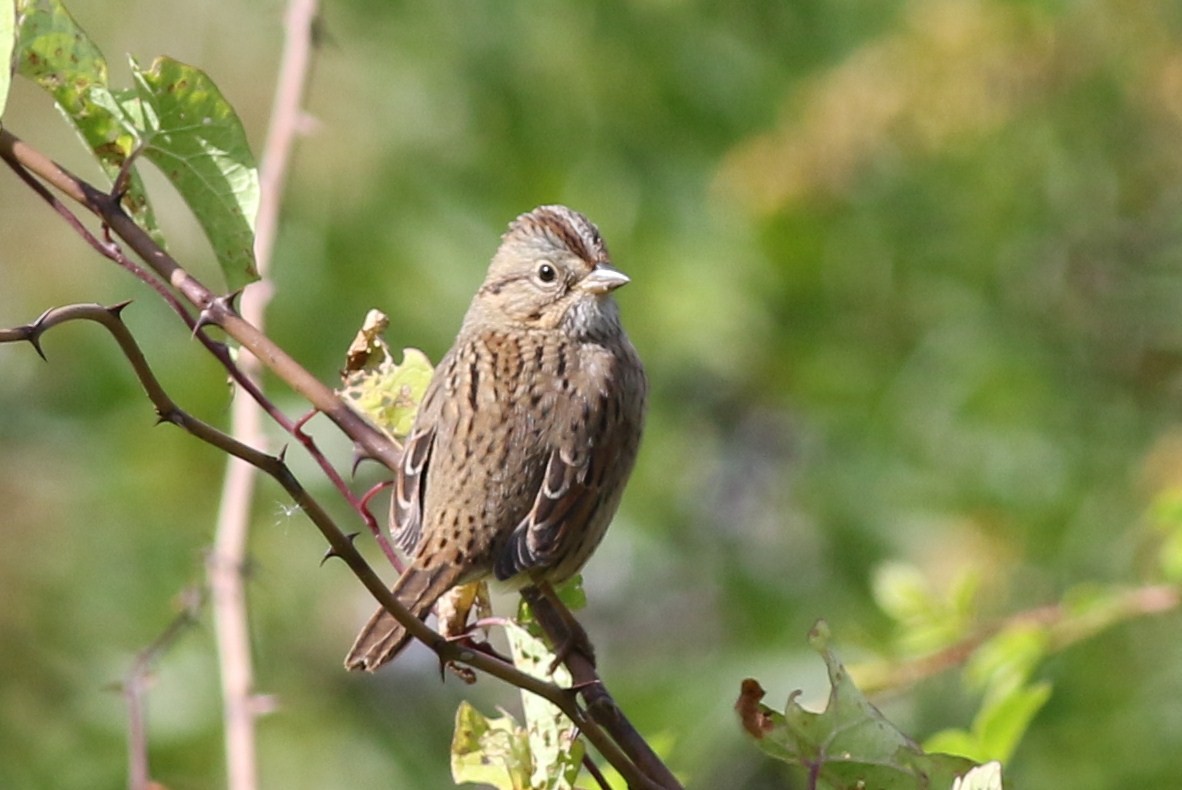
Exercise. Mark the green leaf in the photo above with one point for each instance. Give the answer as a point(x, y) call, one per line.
point(955, 741)
point(572, 594)
point(1001, 723)
point(849, 744)
point(1007, 659)
point(7, 42)
point(194, 136)
point(928, 619)
point(544, 754)
point(554, 744)
point(1001, 667)
point(175, 114)
point(489, 751)
point(386, 392)
point(53, 51)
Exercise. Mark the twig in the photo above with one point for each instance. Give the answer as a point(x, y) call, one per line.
point(214, 310)
point(135, 685)
point(228, 557)
point(600, 705)
point(596, 774)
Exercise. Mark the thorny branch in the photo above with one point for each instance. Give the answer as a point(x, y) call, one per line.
point(341, 545)
point(599, 718)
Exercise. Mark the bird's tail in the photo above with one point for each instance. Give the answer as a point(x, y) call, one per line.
point(383, 637)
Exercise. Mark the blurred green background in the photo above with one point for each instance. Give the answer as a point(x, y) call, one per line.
point(906, 278)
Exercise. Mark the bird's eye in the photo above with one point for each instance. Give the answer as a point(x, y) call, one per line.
point(547, 273)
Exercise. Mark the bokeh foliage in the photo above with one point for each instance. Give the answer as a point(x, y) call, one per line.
point(906, 279)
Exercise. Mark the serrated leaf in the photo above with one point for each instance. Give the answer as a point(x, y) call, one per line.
point(489, 751)
point(850, 743)
point(386, 392)
point(194, 136)
point(553, 743)
point(7, 42)
point(53, 51)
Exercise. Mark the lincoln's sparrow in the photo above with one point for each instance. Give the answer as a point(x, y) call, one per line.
point(527, 432)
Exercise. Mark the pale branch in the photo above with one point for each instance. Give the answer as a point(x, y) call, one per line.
point(228, 557)
point(1064, 627)
point(286, 124)
point(602, 722)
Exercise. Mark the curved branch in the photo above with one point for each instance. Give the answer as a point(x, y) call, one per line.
point(601, 722)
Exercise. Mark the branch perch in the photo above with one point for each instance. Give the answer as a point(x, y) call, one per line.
point(601, 721)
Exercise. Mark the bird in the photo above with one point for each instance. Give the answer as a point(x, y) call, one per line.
point(527, 433)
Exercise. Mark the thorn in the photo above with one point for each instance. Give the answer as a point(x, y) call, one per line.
point(230, 301)
point(116, 309)
point(219, 305)
point(172, 417)
point(281, 456)
point(35, 342)
point(34, 331)
point(40, 320)
point(332, 552)
point(204, 319)
point(360, 455)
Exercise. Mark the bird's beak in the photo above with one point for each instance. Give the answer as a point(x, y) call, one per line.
point(603, 279)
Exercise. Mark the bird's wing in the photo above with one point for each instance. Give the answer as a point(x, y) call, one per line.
point(410, 485)
point(570, 493)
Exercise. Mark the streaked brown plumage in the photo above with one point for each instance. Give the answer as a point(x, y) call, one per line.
point(527, 433)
